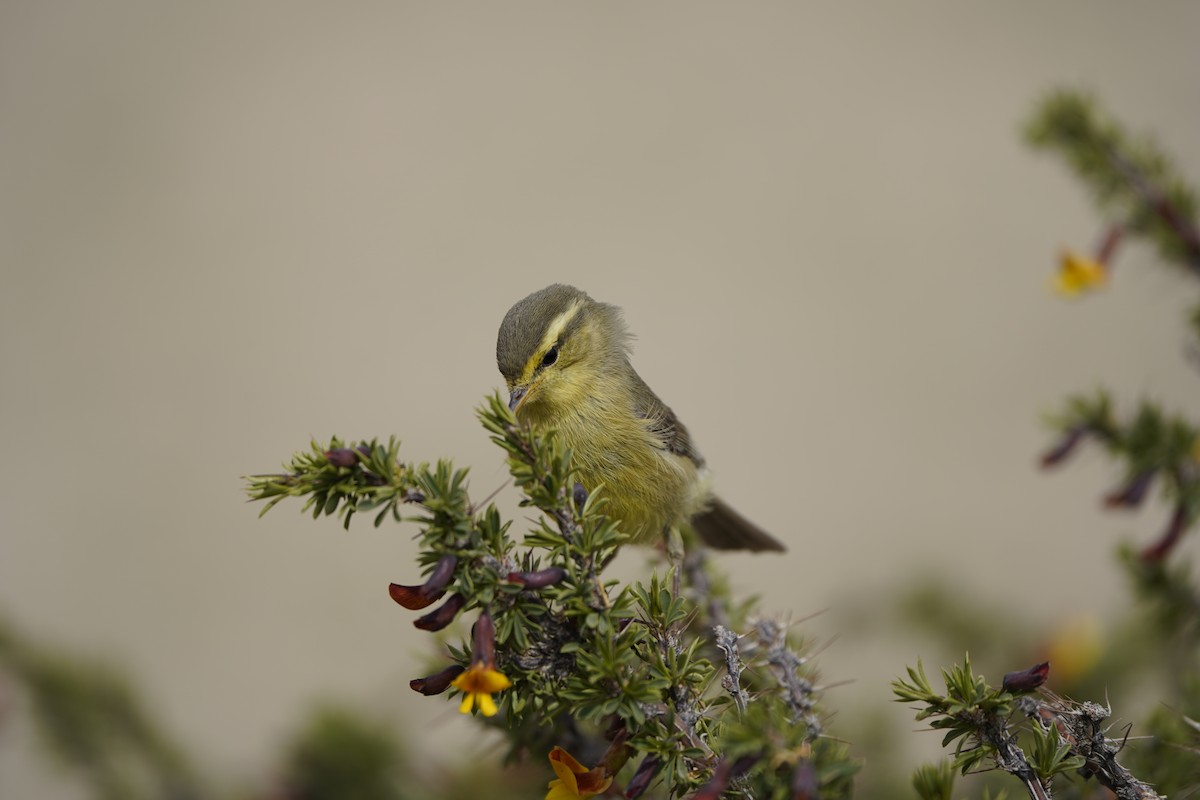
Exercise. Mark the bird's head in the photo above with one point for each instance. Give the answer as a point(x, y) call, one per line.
point(554, 345)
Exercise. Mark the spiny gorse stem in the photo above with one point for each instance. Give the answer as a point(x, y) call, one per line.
point(623, 672)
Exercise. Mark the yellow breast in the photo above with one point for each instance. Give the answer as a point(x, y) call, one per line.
point(648, 489)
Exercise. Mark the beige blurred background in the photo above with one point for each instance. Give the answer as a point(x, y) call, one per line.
point(227, 227)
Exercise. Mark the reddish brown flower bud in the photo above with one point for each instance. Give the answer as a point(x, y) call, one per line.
point(1108, 243)
point(439, 579)
point(538, 580)
point(805, 783)
point(641, 779)
point(483, 640)
point(1026, 680)
point(438, 682)
point(618, 751)
point(341, 457)
point(1157, 552)
point(415, 598)
point(1132, 493)
point(443, 615)
point(1066, 445)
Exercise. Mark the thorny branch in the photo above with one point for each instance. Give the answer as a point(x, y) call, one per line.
point(799, 692)
point(1081, 725)
point(727, 643)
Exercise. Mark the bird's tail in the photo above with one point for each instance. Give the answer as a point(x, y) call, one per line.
point(722, 528)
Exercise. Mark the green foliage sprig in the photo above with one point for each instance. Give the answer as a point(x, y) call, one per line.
point(92, 722)
point(635, 679)
point(344, 480)
point(1035, 739)
point(1135, 185)
point(1154, 446)
point(1133, 181)
point(1139, 191)
point(341, 754)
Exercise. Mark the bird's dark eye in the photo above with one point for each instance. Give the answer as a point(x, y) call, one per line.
point(550, 357)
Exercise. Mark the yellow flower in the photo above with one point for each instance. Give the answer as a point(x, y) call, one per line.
point(1078, 273)
point(478, 684)
point(1075, 648)
point(574, 782)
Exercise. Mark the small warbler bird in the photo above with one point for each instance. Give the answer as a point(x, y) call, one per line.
point(565, 358)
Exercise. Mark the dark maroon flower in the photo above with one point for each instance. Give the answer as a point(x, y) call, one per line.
point(483, 640)
point(641, 779)
point(1065, 446)
point(443, 615)
point(1132, 493)
point(439, 579)
point(1157, 552)
point(415, 598)
point(1026, 680)
point(1108, 244)
point(538, 580)
point(438, 682)
point(805, 783)
point(341, 457)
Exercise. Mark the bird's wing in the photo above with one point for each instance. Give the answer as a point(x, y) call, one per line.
point(663, 424)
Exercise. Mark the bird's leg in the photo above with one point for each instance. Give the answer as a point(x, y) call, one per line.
point(675, 554)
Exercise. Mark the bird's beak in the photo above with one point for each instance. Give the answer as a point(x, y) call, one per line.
point(515, 398)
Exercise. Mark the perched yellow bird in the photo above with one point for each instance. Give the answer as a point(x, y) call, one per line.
point(565, 358)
